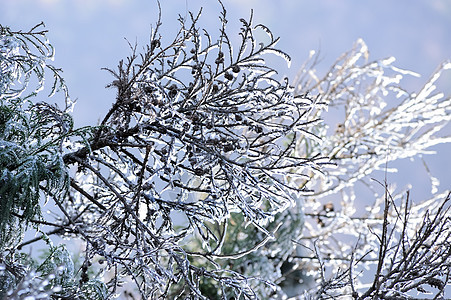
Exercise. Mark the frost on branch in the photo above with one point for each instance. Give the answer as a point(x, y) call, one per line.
point(25, 56)
point(381, 122)
point(187, 187)
point(199, 132)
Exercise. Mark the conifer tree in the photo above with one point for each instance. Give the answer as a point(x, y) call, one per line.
point(209, 176)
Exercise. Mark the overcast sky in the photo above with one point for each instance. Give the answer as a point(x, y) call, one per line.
point(89, 35)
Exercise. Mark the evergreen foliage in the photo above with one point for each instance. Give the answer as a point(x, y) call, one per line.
point(30, 134)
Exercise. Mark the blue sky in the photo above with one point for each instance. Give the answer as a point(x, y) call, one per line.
point(89, 35)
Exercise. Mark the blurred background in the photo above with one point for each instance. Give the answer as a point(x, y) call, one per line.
point(89, 35)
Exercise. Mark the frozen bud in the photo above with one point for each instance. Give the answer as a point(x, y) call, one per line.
point(199, 171)
point(220, 58)
point(228, 76)
point(172, 93)
point(154, 44)
point(328, 207)
point(228, 147)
